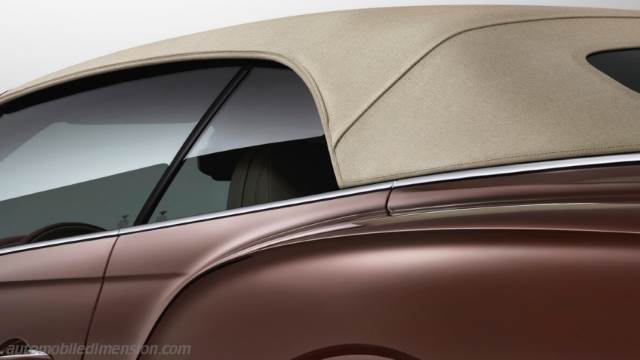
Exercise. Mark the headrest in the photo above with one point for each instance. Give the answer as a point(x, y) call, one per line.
point(281, 171)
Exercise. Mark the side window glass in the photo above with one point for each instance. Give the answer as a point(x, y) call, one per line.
point(621, 65)
point(87, 161)
point(265, 144)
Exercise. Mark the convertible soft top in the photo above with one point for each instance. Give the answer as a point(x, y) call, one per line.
point(419, 90)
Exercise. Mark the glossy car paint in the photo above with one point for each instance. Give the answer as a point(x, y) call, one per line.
point(523, 266)
point(605, 184)
point(47, 296)
point(488, 294)
point(589, 199)
point(148, 269)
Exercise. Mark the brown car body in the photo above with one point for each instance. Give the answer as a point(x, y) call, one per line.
point(416, 272)
point(524, 260)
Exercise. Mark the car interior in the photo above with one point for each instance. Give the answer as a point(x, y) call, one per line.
point(253, 175)
point(272, 172)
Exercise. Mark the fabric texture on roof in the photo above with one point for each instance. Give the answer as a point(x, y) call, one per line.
point(417, 90)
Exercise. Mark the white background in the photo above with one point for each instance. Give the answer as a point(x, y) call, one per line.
point(41, 36)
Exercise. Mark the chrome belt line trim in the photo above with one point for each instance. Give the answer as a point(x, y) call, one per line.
point(519, 168)
point(69, 240)
point(205, 217)
point(447, 176)
point(255, 208)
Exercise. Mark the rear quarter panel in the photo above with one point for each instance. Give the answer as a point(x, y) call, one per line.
point(517, 267)
point(445, 294)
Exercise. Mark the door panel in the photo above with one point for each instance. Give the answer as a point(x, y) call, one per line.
point(149, 268)
point(47, 295)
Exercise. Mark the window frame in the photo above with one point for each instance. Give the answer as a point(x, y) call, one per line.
point(176, 164)
point(601, 61)
point(156, 195)
point(208, 94)
point(143, 217)
point(502, 170)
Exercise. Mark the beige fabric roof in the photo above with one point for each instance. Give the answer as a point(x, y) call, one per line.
point(418, 90)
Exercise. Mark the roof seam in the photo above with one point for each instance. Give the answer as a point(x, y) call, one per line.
point(446, 39)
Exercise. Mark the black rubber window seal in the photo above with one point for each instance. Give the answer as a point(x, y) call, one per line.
point(170, 173)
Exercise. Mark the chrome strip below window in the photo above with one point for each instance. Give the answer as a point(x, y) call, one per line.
point(519, 168)
point(427, 179)
point(68, 240)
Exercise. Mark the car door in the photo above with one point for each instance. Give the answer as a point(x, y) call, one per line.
point(259, 173)
point(48, 294)
point(78, 163)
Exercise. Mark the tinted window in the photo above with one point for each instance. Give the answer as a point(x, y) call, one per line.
point(265, 144)
point(88, 161)
point(622, 65)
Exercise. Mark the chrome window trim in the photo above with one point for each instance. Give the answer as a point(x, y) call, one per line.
point(56, 242)
point(389, 185)
point(205, 217)
point(519, 168)
point(255, 208)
